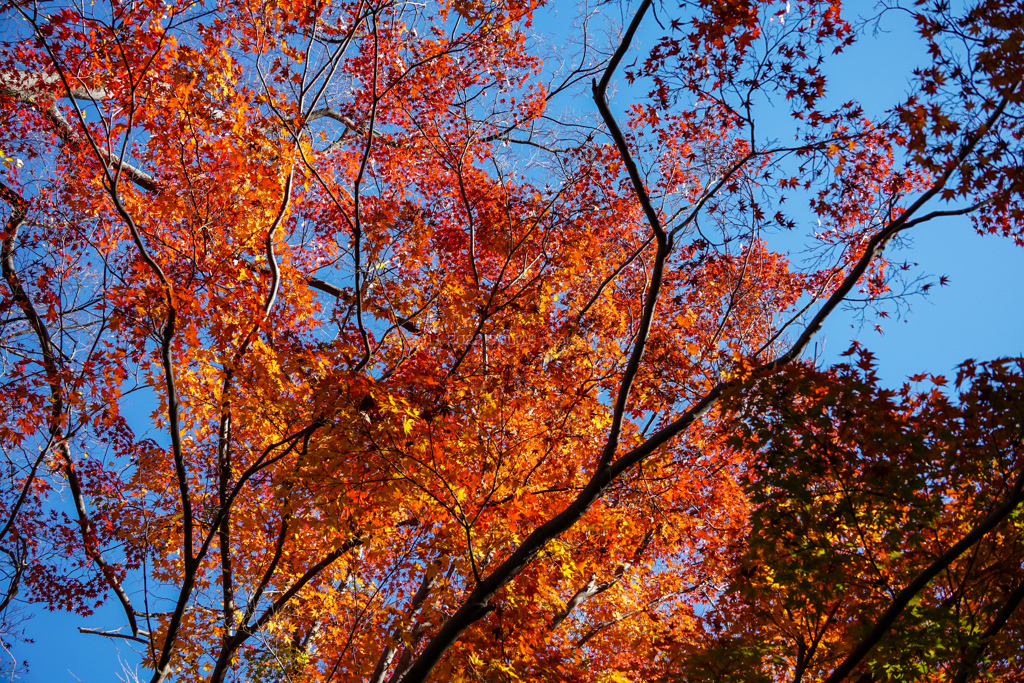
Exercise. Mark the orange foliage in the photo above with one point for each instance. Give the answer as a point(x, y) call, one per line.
point(434, 375)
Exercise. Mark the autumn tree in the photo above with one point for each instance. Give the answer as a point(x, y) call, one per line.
point(875, 510)
point(443, 382)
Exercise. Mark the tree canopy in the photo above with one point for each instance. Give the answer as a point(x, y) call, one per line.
point(458, 366)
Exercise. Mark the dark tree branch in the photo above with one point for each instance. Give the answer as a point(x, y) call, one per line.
point(53, 369)
point(388, 655)
point(921, 581)
point(969, 665)
point(478, 603)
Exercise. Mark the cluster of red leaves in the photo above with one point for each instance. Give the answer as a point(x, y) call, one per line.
point(433, 374)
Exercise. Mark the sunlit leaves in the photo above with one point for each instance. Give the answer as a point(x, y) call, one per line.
point(340, 306)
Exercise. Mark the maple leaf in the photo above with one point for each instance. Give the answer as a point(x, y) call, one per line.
point(442, 382)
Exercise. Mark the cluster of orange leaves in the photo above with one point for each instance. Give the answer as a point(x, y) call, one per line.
point(382, 305)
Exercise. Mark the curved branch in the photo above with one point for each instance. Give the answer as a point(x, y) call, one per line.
point(660, 257)
point(478, 603)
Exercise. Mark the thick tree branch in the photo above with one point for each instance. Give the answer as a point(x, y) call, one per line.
point(903, 598)
point(29, 86)
point(660, 257)
point(18, 565)
point(591, 589)
point(477, 604)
